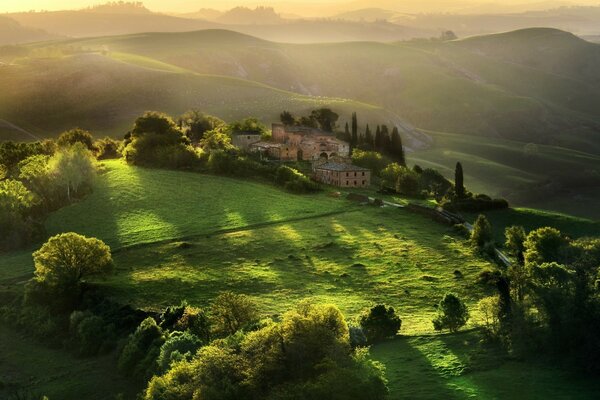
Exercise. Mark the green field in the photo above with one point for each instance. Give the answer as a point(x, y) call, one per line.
point(462, 367)
point(56, 373)
point(172, 241)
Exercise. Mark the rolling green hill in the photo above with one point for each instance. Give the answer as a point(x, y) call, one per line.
point(482, 86)
point(519, 108)
point(47, 94)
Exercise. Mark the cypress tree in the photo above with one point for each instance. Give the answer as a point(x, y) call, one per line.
point(378, 141)
point(354, 140)
point(459, 187)
point(347, 136)
point(368, 137)
point(386, 142)
point(397, 148)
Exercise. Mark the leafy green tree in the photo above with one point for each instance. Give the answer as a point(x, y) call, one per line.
point(452, 314)
point(247, 125)
point(74, 168)
point(16, 203)
point(107, 149)
point(482, 232)
point(408, 183)
point(369, 159)
point(138, 357)
point(380, 322)
point(326, 118)
point(305, 356)
point(216, 140)
point(35, 172)
point(391, 173)
point(77, 135)
point(459, 186)
point(515, 242)
point(230, 312)
point(179, 346)
point(287, 118)
point(67, 258)
point(546, 245)
point(194, 124)
point(156, 140)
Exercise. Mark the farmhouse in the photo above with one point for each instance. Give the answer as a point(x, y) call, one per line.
point(299, 143)
point(243, 140)
point(342, 175)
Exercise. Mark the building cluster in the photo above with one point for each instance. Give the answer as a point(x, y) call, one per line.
point(330, 156)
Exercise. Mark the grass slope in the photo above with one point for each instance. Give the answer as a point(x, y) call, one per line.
point(48, 94)
point(460, 367)
point(509, 85)
point(131, 206)
point(36, 370)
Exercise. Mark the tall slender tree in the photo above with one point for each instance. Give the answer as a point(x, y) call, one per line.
point(397, 148)
point(347, 135)
point(368, 137)
point(378, 141)
point(354, 140)
point(386, 142)
point(459, 186)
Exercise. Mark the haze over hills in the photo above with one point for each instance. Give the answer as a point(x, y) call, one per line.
point(537, 85)
point(11, 32)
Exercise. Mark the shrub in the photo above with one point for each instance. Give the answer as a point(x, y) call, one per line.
point(380, 322)
point(452, 314)
point(357, 337)
point(294, 181)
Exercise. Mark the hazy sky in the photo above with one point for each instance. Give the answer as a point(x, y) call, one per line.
point(193, 5)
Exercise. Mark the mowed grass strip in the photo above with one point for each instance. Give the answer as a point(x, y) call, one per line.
point(353, 260)
point(131, 206)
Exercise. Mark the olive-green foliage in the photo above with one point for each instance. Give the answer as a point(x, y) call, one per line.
point(432, 182)
point(90, 333)
point(380, 322)
point(194, 124)
point(294, 181)
point(452, 314)
point(74, 168)
point(370, 159)
point(16, 202)
point(138, 357)
point(408, 183)
point(230, 312)
point(195, 321)
point(76, 135)
point(36, 173)
point(179, 346)
point(515, 241)
point(482, 232)
point(305, 356)
point(545, 245)
point(247, 125)
point(67, 258)
point(11, 153)
point(217, 139)
point(107, 149)
point(155, 140)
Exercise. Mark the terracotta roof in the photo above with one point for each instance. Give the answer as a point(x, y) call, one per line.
point(333, 166)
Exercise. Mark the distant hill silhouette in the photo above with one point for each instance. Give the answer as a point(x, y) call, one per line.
point(11, 32)
point(247, 16)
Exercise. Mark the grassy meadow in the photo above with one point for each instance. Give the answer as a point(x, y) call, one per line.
point(460, 366)
point(172, 241)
